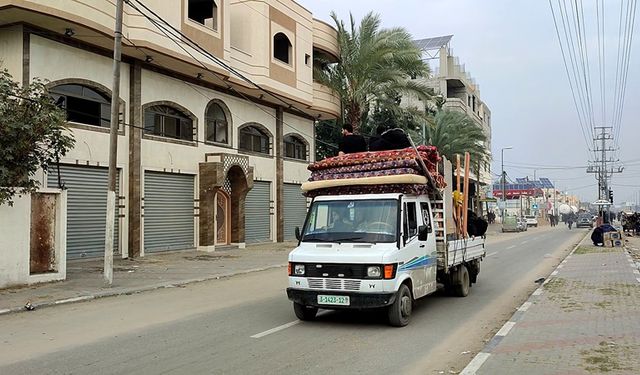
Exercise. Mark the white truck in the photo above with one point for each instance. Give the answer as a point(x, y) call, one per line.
point(378, 251)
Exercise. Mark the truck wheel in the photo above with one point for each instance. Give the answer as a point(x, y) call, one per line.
point(400, 311)
point(461, 282)
point(304, 312)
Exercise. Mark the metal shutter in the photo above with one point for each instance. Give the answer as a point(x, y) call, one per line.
point(168, 211)
point(256, 212)
point(295, 210)
point(86, 208)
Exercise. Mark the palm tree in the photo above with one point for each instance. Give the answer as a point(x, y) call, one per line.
point(373, 61)
point(455, 133)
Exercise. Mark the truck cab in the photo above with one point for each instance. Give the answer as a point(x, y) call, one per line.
point(364, 251)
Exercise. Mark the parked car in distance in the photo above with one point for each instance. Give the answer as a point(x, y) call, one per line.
point(510, 224)
point(584, 221)
point(532, 221)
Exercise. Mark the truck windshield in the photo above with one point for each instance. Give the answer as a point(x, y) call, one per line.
point(369, 221)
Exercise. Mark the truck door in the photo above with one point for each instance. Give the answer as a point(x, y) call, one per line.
point(431, 265)
point(414, 256)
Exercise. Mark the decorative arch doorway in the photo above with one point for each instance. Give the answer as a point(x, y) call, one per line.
point(223, 218)
point(224, 181)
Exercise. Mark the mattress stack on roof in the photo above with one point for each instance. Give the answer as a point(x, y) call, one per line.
point(374, 172)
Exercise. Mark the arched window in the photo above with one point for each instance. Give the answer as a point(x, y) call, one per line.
point(254, 139)
point(83, 104)
point(295, 147)
point(282, 48)
point(217, 124)
point(168, 122)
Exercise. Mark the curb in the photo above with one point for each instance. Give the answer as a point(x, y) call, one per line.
point(485, 353)
point(135, 290)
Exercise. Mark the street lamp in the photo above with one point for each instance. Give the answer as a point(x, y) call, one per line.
point(504, 194)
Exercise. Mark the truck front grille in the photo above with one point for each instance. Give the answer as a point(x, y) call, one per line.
point(334, 284)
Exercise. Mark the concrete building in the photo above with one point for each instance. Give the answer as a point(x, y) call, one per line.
point(458, 89)
point(206, 157)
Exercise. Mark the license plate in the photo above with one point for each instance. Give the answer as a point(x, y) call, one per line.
point(333, 300)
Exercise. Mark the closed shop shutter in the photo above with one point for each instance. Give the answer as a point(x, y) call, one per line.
point(86, 208)
point(257, 220)
point(168, 212)
point(295, 210)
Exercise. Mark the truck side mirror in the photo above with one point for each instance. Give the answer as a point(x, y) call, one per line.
point(297, 233)
point(423, 232)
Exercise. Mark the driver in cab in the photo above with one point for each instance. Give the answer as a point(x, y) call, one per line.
point(339, 222)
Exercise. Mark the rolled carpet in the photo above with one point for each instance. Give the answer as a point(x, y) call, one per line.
point(376, 180)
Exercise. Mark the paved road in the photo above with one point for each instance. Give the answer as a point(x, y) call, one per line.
point(245, 325)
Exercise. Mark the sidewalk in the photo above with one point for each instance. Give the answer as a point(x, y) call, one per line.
point(84, 278)
point(584, 319)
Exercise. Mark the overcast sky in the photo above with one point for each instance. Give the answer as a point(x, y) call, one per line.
point(511, 49)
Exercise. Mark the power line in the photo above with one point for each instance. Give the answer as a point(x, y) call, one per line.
point(578, 104)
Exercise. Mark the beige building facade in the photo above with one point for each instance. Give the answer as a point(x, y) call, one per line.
point(459, 90)
point(217, 115)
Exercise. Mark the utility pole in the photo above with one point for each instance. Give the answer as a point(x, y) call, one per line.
point(113, 147)
point(602, 170)
point(504, 175)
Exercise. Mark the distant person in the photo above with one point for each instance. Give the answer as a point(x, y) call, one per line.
point(350, 142)
point(570, 219)
point(597, 237)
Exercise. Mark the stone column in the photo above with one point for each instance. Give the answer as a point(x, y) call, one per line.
point(279, 146)
point(135, 167)
point(211, 176)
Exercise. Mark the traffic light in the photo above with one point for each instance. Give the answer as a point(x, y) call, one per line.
point(610, 195)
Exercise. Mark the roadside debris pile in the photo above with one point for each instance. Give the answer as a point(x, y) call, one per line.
point(374, 172)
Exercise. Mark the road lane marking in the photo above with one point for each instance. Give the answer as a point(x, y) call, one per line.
point(475, 363)
point(537, 292)
point(525, 306)
point(505, 328)
point(494, 253)
point(511, 247)
point(274, 330)
point(523, 242)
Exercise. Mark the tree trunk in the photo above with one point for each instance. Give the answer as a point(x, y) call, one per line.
point(354, 116)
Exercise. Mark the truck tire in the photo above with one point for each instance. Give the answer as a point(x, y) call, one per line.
point(399, 312)
point(304, 312)
point(461, 282)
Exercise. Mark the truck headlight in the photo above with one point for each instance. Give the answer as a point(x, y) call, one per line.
point(374, 272)
point(298, 270)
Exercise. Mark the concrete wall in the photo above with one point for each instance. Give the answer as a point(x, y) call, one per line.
point(15, 230)
point(11, 51)
point(14, 242)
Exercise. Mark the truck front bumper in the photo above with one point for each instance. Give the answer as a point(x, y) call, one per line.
point(356, 300)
